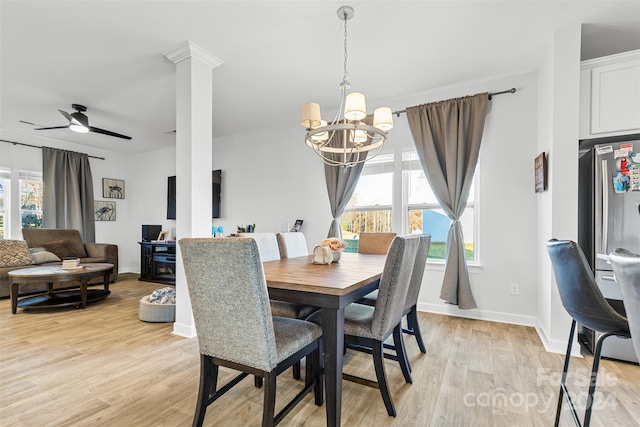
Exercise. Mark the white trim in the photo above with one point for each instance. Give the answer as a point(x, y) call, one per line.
point(556, 346)
point(188, 49)
point(186, 331)
point(491, 316)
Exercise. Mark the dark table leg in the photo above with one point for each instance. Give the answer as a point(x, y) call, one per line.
point(333, 341)
point(83, 290)
point(13, 290)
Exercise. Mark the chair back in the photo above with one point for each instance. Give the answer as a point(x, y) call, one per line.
point(579, 291)
point(626, 267)
point(394, 284)
point(418, 271)
point(292, 245)
point(267, 244)
point(375, 243)
point(229, 298)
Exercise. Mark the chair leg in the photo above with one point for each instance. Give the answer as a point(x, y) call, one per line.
point(563, 383)
point(594, 379)
point(296, 371)
point(269, 406)
point(414, 326)
point(208, 383)
point(378, 363)
point(401, 353)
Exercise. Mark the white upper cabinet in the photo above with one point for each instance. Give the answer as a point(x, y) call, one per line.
point(610, 95)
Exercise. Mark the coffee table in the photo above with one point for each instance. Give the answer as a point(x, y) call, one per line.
point(51, 274)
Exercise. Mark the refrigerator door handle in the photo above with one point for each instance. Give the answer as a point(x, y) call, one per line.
point(607, 277)
point(605, 209)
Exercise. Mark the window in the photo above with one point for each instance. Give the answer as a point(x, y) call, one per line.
point(31, 199)
point(5, 186)
point(371, 207)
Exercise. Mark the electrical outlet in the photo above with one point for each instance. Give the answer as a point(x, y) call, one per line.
point(514, 289)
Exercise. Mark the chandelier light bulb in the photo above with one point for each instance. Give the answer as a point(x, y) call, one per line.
point(383, 118)
point(323, 136)
point(311, 115)
point(355, 107)
point(360, 137)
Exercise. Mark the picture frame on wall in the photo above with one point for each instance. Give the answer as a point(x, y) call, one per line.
point(104, 211)
point(112, 188)
point(541, 172)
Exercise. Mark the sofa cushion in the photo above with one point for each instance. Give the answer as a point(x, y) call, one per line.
point(14, 253)
point(41, 255)
point(65, 248)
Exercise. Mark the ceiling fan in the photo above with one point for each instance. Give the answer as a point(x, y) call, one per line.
point(79, 122)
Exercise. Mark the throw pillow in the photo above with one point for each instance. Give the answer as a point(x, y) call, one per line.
point(63, 249)
point(41, 255)
point(14, 253)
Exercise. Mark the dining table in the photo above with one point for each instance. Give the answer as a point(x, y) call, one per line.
point(331, 287)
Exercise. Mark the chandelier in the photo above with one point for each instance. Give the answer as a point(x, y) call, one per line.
point(359, 141)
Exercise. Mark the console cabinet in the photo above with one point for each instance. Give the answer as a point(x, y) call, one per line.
point(158, 262)
point(610, 96)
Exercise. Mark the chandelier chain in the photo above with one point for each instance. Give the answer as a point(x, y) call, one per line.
point(346, 73)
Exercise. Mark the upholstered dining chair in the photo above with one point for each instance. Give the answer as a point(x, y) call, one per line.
point(411, 303)
point(375, 243)
point(235, 327)
point(366, 328)
point(292, 244)
point(626, 268)
point(586, 305)
point(270, 250)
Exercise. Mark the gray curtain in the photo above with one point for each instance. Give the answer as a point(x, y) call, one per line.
point(68, 192)
point(341, 182)
point(447, 136)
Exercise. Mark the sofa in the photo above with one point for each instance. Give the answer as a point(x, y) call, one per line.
point(43, 246)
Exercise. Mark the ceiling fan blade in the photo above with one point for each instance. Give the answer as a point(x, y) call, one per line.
point(66, 115)
point(54, 127)
point(107, 132)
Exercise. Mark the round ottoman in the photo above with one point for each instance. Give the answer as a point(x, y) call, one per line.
point(156, 312)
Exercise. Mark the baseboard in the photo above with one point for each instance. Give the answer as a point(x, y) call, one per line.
point(557, 346)
point(491, 316)
point(186, 331)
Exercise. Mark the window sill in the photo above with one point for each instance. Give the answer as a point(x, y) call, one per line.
point(473, 267)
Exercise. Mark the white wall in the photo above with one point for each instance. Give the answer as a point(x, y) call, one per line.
point(557, 212)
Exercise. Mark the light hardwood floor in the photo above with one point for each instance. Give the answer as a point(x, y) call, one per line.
point(104, 367)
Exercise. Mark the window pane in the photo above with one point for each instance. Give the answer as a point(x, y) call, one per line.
point(30, 200)
point(419, 189)
point(369, 221)
point(436, 223)
point(373, 190)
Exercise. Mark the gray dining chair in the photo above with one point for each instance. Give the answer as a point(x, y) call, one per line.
point(235, 328)
point(584, 302)
point(366, 328)
point(292, 244)
point(626, 268)
point(270, 250)
point(411, 303)
point(375, 243)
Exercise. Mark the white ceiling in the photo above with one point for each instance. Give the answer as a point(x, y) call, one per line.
point(108, 56)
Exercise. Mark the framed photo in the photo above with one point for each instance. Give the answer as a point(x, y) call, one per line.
point(112, 188)
point(297, 226)
point(162, 237)
point(541, 173)
point(104, 211)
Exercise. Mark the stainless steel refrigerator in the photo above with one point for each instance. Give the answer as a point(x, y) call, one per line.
point(609, 218)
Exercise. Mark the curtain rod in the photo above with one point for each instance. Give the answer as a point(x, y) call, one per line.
point(35, 146)
point(512, 90)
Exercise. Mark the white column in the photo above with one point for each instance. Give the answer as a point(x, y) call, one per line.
point(194, 139)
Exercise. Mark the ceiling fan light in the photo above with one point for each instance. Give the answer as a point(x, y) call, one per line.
point(78, 128)
point(355, 106)
point(383, 118)
point(310, 115)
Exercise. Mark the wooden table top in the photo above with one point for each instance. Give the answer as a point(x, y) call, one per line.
point(300, 274)
point(54, 270)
